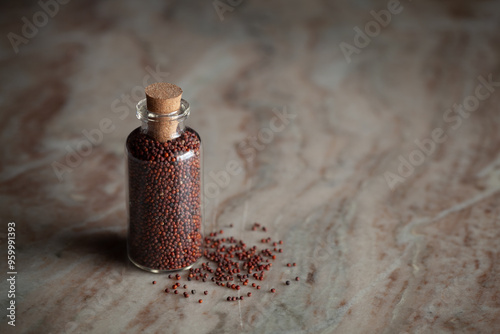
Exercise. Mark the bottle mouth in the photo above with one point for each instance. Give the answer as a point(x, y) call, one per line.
point(145, 115)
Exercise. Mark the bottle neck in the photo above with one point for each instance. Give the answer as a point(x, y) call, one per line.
point(163, 130)
point(163, 127)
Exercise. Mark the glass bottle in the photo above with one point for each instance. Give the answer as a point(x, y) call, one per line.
point(164, 189)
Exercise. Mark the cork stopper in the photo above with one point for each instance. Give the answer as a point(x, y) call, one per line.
point(163, 98)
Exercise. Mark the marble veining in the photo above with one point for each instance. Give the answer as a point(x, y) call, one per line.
point(389, 235)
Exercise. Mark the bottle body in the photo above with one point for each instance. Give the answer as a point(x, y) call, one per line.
point(164, 198)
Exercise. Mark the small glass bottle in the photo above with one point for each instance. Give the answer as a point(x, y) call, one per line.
point(164, 184)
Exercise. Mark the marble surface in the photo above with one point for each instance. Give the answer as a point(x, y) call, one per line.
point(378, 250)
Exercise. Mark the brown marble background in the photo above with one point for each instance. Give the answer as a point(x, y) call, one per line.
point(422, 258)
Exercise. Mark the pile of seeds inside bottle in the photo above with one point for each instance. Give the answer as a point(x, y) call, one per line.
point(231, 265)
point(164, 192)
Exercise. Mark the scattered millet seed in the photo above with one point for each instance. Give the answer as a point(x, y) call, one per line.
point(297, 278)
point(200, 301)
point(154, 282)
point(231, 263)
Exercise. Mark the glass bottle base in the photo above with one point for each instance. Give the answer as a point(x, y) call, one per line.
point(159, 271)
